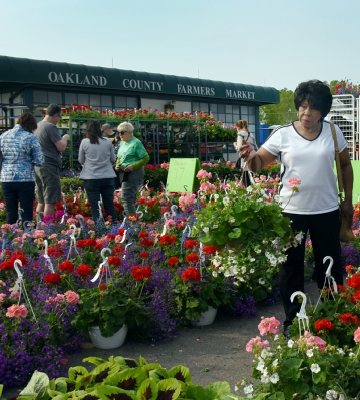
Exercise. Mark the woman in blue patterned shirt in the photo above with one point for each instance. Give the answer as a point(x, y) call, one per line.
point(19, 151)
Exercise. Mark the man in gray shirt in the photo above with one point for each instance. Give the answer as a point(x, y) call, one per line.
point(47, 177)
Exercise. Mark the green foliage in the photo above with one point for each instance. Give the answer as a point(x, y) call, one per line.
point(126, 379)
point(282, 113)
point(73, 182)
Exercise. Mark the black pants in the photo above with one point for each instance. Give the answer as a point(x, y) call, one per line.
point(104, 187)
point(324, 233)
point(15, 192)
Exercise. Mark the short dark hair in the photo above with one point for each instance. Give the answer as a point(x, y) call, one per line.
point(93, 131)
point(27, 121)
point(53, 109)
point(316, 93)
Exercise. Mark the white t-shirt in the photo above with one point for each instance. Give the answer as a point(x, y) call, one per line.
point(312, 161)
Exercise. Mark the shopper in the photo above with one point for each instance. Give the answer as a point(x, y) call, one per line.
point(20, 152)
point(131, 159)
point(108, 132)
point(307, 152)
point(47, 177)
point(244, 134)
point(96, 155)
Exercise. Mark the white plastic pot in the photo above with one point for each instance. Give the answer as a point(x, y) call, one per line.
point(111, 342)
point(208, 317)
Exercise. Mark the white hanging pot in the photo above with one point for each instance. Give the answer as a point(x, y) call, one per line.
point(74, 124)
point(111, 342)
point(83, 126)
point(208, 317)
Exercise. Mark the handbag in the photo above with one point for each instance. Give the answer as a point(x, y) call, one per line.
point(346, 234)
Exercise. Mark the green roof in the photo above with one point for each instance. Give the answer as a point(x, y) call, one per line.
point(27, 71)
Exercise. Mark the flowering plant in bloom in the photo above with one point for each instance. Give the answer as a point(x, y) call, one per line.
point(249, 222)
point(303, 368)
point(337, 316)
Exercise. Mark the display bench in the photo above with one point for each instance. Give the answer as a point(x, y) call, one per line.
point(162, 140)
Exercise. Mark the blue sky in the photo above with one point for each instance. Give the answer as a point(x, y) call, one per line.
point(276, 43)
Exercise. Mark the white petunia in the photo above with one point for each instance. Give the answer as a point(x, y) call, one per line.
point(265, 378)
point(264, 353)
point(290, 343)
point(252, 260)
point(310, 353)
point(206, 229)
point(274, 378)
point(341, 351)
point(258, 251)
point(315, 368)
point(232, 220)
point(351, 355)
point(236, 388)
point(248, 389)
point(261, 366)
point(252, 271)
point(262, 281)
point(243, 270)
point(275, 362)
point(331, 394)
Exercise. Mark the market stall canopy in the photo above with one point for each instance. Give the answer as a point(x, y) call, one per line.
point(27, 71)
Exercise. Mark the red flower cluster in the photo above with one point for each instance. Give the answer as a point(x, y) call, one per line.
point(143, 234)
point(349, 319)
point(110, 236)
point(7, 265)
point(189, 244)
point(146, 242)
point(66, 266)
point(114, 261)
point(120, 232)
point(173, 261)
point(354, 281)
point(55, 251)
point(19, 255)
point(139, 273)
point(151, 204)
point(86, 243)
point(355, 299)
point(118, 250)
point(167, 240)
point(83, 270)
point(210, 249)
point(192, 258)
point(144, 254)
point(102, 287)
point(324, 324)
point(191, 273)
point(52, 279)
point(349, 268)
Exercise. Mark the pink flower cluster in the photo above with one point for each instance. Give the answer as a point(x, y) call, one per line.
point(17, 311)
point(70, 296)
point(311, 340)
point(293, 182)
point(202, 174)
point(39, 234)
point(256, 343)
point(357, 335)
point(2, 297)
point(186, 200)
point(208, 188)
point(268, 325)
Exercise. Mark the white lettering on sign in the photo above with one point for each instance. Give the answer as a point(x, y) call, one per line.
point(137, 84)
point(89, 80)
point(240, 94)
point(201, 90)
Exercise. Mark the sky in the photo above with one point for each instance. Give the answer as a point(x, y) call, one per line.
point(276, 43)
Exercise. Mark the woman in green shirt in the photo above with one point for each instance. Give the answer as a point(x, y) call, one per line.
point(131, 158)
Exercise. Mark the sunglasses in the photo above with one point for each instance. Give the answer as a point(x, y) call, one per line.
point(122, 133)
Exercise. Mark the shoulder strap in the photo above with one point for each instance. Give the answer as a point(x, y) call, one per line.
point(337, 159)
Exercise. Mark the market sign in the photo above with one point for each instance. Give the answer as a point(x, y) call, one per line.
point(182, 175)
point(23, 70)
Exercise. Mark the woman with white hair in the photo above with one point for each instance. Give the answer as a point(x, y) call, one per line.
point(131, 158)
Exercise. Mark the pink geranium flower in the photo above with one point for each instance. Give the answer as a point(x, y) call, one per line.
point(357, 335)
point(256, 343)
point(17, 311)
point(72, 297)
point(268, 325)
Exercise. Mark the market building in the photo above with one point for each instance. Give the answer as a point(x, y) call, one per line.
point(36, 83)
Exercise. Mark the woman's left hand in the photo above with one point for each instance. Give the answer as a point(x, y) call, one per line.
point(129, 168)
point(348, 212)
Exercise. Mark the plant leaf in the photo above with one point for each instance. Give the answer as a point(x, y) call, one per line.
point(37, 385)
point(148, 390)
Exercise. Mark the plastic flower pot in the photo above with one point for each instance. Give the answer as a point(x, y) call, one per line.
point(111, 342)
point(208, 317)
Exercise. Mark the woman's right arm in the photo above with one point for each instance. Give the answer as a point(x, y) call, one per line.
point(81, 156)
point(257, 159)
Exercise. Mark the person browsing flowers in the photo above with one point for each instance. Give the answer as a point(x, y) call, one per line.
point(131, 159)
point(307, 152)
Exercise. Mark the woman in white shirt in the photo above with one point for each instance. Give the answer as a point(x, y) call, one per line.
point(307, 152)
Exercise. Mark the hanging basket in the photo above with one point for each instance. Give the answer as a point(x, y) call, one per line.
point(111, 342)
point(208, 317)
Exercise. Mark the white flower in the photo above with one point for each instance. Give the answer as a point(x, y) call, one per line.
point(341, 351)
point(264, 353)
point(331, 394)
point(290, 343)
point(236, 388)
point(248, 389)
point(262, 281)
point(252, 271)
point(216, 196)
point(206, 230)
point(252, 260)
point(299, 237)
point(315, 368)
point(243, 270)
point(274, 378)
point(310, 353)
point(265, 378)
point(215, 226)
point(261, 366)
point(259, 200)
point(351, 355)
point(258, 251)
point(232, 220)
point(275, 362)
point(214, 274)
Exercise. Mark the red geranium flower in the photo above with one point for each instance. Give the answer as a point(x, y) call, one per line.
point(354, 281)
point(110, 236)
point(173, 261)
point(53, 279)
point(114, 261)
point(144, 254)
point(324, 324)
point(210, 249)
point(55, 251)
point(167, 240)
point(189, 244)
point(102, 287)
point(118, 250)
point(146, 242)
point(83, 270)
point(139, 273)
point(121, 232)
point(349, 319)
point(7, 265)
point(66, 266)
point(192, 258)
point(191, 273)
point(143, 234)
